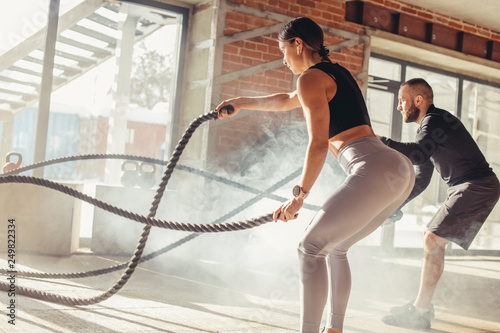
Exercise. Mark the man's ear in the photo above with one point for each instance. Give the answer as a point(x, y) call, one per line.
point(418, 100)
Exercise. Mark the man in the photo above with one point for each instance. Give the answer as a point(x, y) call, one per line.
point(442, 142)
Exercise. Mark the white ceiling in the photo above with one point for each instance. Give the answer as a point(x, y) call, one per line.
point(484, 13)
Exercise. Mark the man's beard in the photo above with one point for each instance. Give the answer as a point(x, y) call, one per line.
point(412, 114)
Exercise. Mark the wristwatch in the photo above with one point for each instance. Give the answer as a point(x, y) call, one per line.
point(299, 192)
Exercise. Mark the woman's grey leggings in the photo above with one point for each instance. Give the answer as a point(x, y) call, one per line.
point(379, 179)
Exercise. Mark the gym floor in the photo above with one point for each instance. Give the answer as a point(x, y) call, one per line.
point(177, 293)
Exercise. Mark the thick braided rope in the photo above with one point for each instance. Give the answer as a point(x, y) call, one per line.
point(148, 220)
point(83, 158)
point(165, 249)
point(267, 193)
point(134, 261)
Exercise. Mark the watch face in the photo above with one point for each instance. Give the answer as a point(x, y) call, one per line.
point(296, 190)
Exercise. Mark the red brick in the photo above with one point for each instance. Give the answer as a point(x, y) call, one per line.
point(306, 3)
point(485, 33)
point(442, 20)
point(275, 74)
point(283, 5)
point(322, 6)
point(327, 16)
point(247, 61)
point(255, 22)
point(315, 13)
point(409, 10)
point(231, 49)
point(455, 25)
point(258, 40)
point(229, 31)
point(337, 4)
point(271, 82)
point(425, 16)
point(251, 54)
point(238, 26)
point(232, 15)
point(470, 29)
point(262, 48)
point(240, 44)
point(304, 11)
point(338, 56)
point(234, 58)
point(395, 6)
point(269, 57)
point(250, 45)
point(337, 11)
point(338, 18)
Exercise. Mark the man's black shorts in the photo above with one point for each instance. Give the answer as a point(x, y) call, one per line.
point(465, 210)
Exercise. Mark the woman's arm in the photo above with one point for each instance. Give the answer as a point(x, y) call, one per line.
point(274, 102)
point(312, 91)
point(313, 96)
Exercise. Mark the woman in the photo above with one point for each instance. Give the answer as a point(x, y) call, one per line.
point(379, 178)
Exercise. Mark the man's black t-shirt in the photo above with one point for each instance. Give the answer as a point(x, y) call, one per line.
point(444, 140)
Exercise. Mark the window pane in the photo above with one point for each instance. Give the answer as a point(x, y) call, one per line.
point(384, 69)
point(380, 106)
point(110, 101)
point(481, 116)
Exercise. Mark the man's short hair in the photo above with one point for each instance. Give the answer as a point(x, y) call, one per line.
point(419, 86)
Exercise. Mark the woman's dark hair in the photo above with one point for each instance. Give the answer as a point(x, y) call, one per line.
point(310, 33)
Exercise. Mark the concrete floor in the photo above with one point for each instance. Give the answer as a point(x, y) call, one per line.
point(251, 290)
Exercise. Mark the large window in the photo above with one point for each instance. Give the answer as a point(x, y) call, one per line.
point(475, 102)
point(117, 79)
point(115, 87)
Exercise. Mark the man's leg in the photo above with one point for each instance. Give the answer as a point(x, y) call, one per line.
point(432, 268)
point(419, 314)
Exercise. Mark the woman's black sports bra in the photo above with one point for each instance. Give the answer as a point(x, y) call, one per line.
point(347, 107)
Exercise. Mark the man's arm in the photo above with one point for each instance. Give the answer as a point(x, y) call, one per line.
point(411, 150)
point(430, 135)
point(423, 175)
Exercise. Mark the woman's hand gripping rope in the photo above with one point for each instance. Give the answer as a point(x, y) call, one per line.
point(289, 210)
point(225, 110)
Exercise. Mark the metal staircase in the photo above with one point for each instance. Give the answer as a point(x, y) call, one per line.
point(87, 36)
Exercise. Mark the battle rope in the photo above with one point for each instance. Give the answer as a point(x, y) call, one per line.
point(260, 194)
point(149, 221)
point(265, 193)
point(152, 161)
